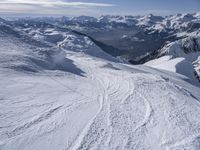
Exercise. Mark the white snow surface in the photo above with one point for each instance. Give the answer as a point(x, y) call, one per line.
point(54, 99)
point(181, 56)
point(179, 65)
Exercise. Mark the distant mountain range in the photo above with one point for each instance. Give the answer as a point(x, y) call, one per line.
point(134, 39)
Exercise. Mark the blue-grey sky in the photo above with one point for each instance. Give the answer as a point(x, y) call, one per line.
point(97, 7)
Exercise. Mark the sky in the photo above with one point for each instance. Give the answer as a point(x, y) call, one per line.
point(96, 7)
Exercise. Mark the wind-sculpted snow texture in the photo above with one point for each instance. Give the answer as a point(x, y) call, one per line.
point(104, 104)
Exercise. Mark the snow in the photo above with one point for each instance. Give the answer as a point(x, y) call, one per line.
point(79, 97)
point(178, 65)
point(180, 57)
point(109, 18)
point(187, 48)
point(196, 65)
point(108, 109)
point(149, 20)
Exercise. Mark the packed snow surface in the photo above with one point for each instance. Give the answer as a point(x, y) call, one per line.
point(52, 98)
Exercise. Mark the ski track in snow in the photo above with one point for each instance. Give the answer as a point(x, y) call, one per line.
point(122, 110)
point(115, 128)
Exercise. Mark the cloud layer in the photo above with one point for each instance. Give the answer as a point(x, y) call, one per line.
point(49, 7)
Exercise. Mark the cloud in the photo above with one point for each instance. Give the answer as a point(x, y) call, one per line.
point(49, 7)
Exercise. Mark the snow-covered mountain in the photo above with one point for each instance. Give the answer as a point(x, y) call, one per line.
point(59, 90)
point(180, 56)
point(135, 36)
point(44, 46)
point(143, 34)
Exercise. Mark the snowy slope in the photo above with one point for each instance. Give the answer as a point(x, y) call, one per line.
point(62, 38)
point(180, 56)
point(75, 100)
point(179, 65)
